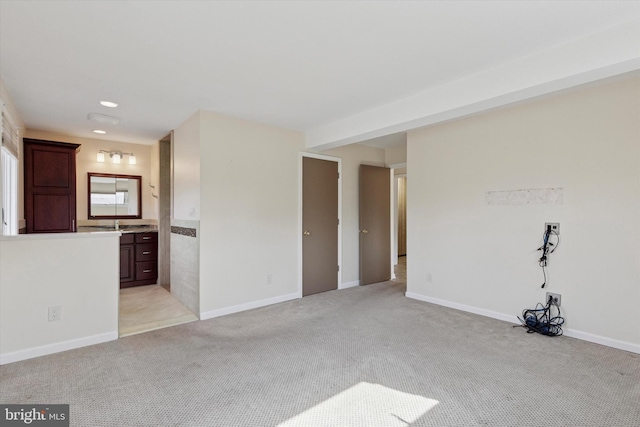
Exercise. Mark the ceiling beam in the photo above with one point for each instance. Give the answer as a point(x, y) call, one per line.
point(598, 56)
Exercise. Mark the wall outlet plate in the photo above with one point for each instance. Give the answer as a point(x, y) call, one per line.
point(556, 298)
point(54, 313)
point(555, 227)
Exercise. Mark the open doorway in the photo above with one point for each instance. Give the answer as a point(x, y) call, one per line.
point(149, 307)
point(399, 203)
point(401, 227)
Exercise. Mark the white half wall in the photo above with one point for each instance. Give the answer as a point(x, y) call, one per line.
point(78, 272)
point(469, 253)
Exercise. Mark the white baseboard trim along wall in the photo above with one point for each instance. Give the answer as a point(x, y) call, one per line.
point(247, 306)
point(585, 336)
point(349, 284)
point(30, 353)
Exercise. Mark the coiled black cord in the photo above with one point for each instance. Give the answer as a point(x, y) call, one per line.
point(541, 320)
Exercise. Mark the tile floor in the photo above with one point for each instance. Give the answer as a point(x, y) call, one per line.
point(146, 308)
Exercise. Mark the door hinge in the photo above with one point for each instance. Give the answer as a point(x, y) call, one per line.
point(338, 268)
point(338, 221)
point(338, 175)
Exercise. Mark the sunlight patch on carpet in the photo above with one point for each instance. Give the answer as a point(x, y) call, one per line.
point(367, 405)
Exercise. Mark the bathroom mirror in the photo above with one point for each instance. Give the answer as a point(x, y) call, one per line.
point(114, 196)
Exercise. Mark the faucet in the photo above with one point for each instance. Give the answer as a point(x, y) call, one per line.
point(117, 224)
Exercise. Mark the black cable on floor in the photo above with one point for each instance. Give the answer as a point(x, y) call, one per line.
point(541, 320)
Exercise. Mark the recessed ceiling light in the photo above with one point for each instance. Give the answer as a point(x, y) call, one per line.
point(101, 132)
point(109, 104)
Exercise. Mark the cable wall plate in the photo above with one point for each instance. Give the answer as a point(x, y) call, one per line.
point(555, 227)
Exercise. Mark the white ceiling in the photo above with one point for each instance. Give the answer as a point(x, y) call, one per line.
point(296, 64)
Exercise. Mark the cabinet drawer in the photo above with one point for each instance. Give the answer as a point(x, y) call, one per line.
point(127, 239)
point(146, 237)
point(146, 270)
point(146, 252)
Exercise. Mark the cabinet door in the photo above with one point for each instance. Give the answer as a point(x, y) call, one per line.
point(50, 186)
point(127, 263)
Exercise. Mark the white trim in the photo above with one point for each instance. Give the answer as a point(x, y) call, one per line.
point(598, 339)
point(61, 236)
point(463, 307)
point(30, 353)
point(349, 284)
point(331, 159)
point(247, 306)
point(393, 200)
point(397, 165)
point(572, 333)
point(394, 223)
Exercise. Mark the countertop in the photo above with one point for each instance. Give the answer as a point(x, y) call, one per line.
point(123, 229)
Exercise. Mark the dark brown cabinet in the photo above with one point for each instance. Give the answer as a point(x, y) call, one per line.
point(50, 186)
point(138, 259)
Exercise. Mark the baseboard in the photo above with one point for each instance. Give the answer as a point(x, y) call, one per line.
point(597, 339)
point(247, 306)
point(463, 307)
point(585, 336)
point(349, 284)
point(30, 353)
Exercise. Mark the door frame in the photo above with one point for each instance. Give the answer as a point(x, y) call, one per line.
point(394, 214)
point(300, 225)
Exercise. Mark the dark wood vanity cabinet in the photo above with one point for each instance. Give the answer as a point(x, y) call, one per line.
point(50, 186)
point(138, 259)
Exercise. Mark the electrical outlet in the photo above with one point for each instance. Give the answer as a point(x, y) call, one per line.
point(555, 227)
point(55, 313)
point(269, 279)
point(555, 298)
point(429, 278)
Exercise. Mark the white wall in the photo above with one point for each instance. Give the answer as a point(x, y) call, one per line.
point(86, 161)
point(78, 272)
point(186, 169)
point(154, 179)
point(352, 157)
point(395, 155)
point(5, 96)
point(249, 213)
point(484, 258)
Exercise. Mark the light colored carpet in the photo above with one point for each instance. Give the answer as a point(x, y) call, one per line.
point(365, 356)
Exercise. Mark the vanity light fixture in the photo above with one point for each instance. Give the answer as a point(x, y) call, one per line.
point(100, 131)
point(116, 156)
point(109, 104)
